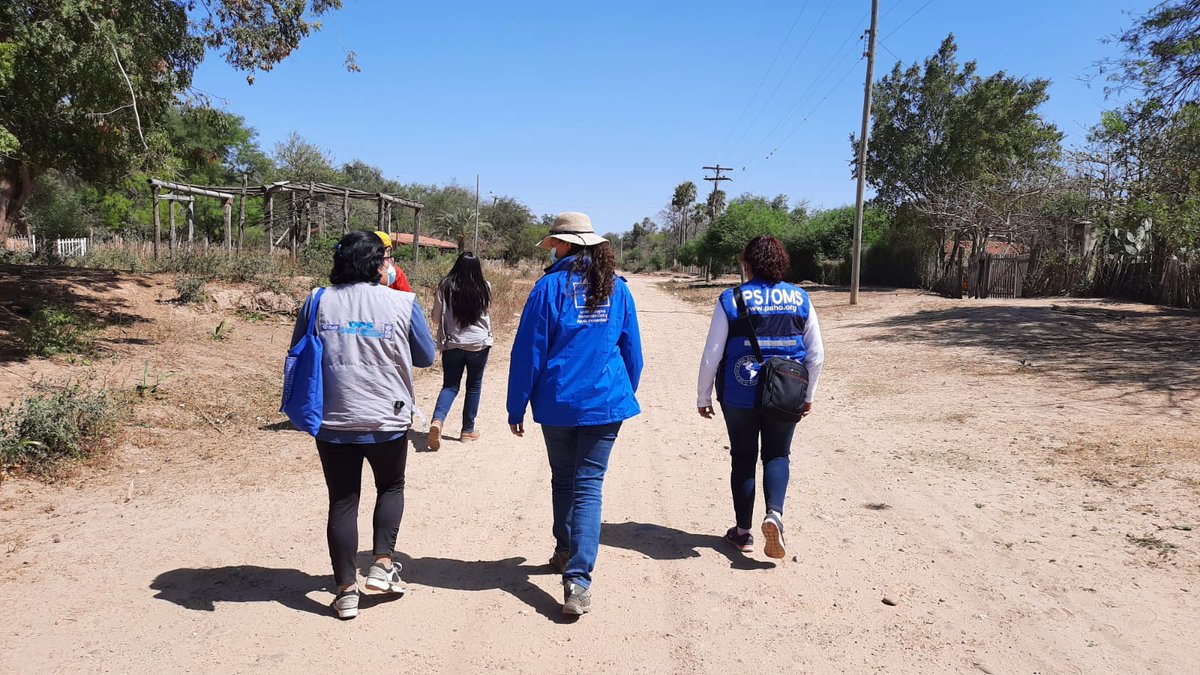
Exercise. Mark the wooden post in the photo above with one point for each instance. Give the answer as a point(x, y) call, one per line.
point(241, 216)
point(171, 220)
point(308, 215)
point(416, 236)
point(157, 220)
point(379, 213)
point(227, 208)
point(346, 211)
point(269, 209)
point(321, 218)
point(191, 220)
point(295, 217)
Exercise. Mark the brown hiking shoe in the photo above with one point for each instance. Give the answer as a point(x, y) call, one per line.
point(468, 436)
point(435, 435)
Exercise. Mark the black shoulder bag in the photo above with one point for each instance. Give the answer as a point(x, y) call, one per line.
point(782, 383)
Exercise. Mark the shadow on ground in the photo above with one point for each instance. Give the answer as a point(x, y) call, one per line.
point(27, 288)
point(202, 589)
point(1155, 350)
point(667, 543)
point(511, 575)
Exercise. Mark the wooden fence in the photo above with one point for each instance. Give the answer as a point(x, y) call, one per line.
point(997, 276)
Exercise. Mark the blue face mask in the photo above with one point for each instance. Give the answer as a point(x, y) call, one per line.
point(391, 275)
point(553, 256)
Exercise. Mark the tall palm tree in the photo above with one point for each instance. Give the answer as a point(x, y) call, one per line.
point(685, 194)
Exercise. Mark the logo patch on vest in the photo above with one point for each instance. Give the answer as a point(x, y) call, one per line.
point(327, 327)
point(367, 329)
point(745, 370)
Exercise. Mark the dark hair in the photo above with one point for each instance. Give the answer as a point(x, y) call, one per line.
point(598, 265)
point(766, 257)
point(466, 290)
point(357, 258)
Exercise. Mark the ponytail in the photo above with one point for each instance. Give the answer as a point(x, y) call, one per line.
point(599, 267)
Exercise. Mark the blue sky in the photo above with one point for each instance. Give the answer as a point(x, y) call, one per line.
point(605, 107)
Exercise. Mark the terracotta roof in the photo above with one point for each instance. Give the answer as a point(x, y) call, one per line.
point(993, 247)
point(406, 239)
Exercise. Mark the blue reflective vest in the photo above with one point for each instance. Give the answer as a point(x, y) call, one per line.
point(779, 312)
point(574, 366)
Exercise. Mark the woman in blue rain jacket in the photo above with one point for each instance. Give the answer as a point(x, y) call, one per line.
point(576, 360)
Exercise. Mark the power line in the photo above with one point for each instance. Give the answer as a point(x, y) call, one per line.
point(716, 178)
point(885, 48)
point(785, 73)
point(910, 18)
point(811, 112)
point(815, 86)
point(822, 74)
point(757, 89)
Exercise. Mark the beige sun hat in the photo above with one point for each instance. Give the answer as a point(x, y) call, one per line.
point(574, 228)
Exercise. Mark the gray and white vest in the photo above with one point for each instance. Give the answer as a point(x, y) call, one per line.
point(367, 364)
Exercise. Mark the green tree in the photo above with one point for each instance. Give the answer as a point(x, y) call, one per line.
point(301, 161)
point(458, 225)
point(724, 240)
point(1162, 54)
point(967, 155)
point(87, 85)
point(820, 245)
point(715, 203)
point(681, 201)
point(937, 124)
point(515, 232)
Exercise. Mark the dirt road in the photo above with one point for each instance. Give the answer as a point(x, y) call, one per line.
point(1021, 516)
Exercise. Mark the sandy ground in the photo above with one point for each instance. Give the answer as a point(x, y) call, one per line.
point(1018, 476)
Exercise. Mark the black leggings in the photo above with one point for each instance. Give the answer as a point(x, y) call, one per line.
point(342, 464)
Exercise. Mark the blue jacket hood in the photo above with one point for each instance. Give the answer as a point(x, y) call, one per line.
point(575, 366)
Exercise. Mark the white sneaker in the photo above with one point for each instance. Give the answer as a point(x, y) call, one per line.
point(346, 603)
point(772, 529)
point(386, 580)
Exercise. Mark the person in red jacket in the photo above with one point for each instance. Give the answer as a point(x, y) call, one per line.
point(396, 278)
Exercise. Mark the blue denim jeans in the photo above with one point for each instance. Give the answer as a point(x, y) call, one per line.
point(578, 460)
point(453, 363)
point(746, 426)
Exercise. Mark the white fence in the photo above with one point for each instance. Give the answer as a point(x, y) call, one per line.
point(71, 247)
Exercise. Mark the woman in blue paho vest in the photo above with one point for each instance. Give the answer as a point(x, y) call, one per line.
point(373, 337)
point(786, 325)
point(576, 359)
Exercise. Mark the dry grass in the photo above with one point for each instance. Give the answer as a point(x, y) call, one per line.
point(510, 288)
point(699, 293)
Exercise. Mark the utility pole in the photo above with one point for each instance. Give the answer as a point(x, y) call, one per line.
point(716, 179)
point(856, 256)
point(475, 250)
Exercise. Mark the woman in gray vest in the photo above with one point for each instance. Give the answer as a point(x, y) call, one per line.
point(372, 336)
point(464, 333)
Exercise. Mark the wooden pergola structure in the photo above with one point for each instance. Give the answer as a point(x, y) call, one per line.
point(304, 209)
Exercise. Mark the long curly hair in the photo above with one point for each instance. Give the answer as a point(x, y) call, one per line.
point(598, 266)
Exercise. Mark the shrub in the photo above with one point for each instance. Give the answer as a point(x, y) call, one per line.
point(190, 288)
point(57, 423)
point(54, 330)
